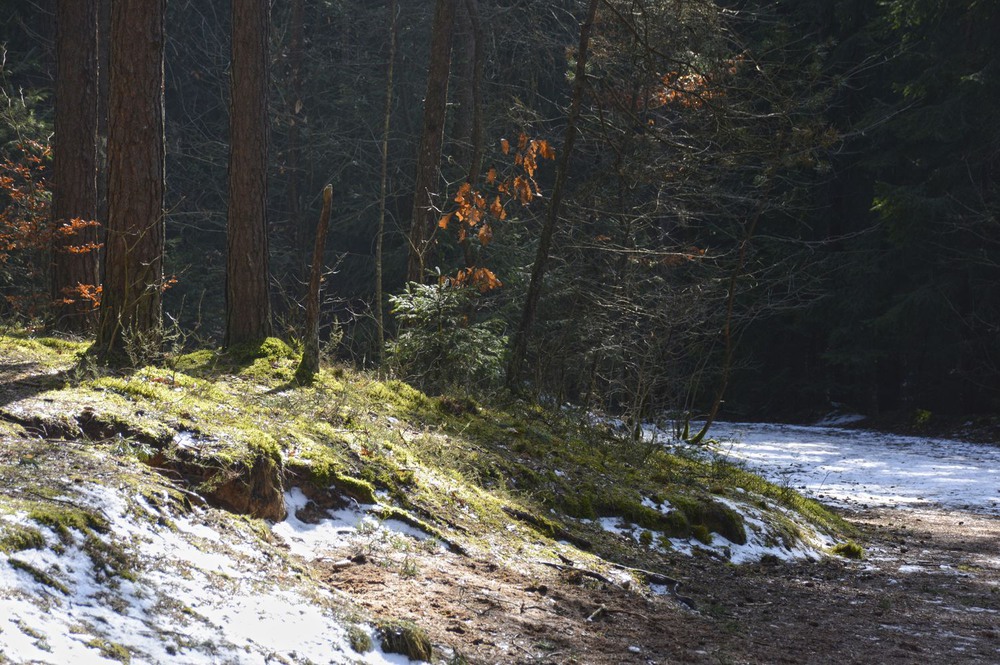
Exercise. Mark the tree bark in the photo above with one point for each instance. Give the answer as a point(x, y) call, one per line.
point(74, 196)
point(471, 106)
point(131, 317)
point(248, 308)
point(384, 188)
point(309, 365)
point(520, 341)
point(295, 58)
point(424, 218)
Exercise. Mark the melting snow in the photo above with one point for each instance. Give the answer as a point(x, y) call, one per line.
point(198, 597)
point(339, 527)
point(763, 539)
point(858, 467)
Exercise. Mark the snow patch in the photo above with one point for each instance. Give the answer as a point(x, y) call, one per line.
point(859, 468)
point(763, 539)
point(313, 540)
point(198, 596)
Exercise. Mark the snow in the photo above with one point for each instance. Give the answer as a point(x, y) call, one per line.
point(763, 539)
point(199, 596)
point(857, 468)
point(339, 527)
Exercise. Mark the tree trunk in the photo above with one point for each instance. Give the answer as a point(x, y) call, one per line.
point(309, 365)
point(131, 317)
point(471, 105)
point(424, 219)
point(103, 67)
point(248, 308)
point(74, 196)
point(384, 188)
point(520, 341)
point(295, 58)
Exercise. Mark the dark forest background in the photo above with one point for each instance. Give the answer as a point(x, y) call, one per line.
point(795, 201)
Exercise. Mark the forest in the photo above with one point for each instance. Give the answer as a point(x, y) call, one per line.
point(499, 331)
point(654, 209)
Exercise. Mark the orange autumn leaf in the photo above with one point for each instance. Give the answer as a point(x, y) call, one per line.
point(505, 146)
point(545, 150)
point(497, 209)
point(443, 222)
point(491, 176)
point(485, 235)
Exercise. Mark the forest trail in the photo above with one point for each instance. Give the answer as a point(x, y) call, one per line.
point(927, 590)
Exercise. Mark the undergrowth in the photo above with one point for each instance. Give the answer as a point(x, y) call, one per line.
point(462, 465)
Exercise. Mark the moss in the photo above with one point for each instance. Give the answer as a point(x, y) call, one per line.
point(357, 488)
point(110, 562)
point(676, 525)
point(713, 516)
point(111, 650)
point(39, 575)
point(849, 550)
point(199, 362)
point(16, 538)
point(271, 348)
point(406, 638)
point(701, 533)
point(63, 519)
point(359, 639)
point(132, 388)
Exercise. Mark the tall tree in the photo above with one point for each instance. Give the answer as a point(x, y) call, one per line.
point(248, 309)
point(424, 219)
point(384, 186)
point(520, 340)
point(295, 117)
point(74, 196)
point(131, 316)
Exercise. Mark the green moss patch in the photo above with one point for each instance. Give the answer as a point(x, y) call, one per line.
point(849, 550)
point(406, 638)
point(17, 538)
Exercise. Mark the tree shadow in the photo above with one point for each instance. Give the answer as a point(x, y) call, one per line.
point(19, 382)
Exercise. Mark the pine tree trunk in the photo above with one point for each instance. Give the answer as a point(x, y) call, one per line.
point(131, 317)
point(424, 218)
point(74, 254)
point(248, 308)
point(293, 161)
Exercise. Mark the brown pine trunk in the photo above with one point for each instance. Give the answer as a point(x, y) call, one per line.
point(520, 341)
point(295, 57)
point(248, 309)
point(131, 316)
point(74, 255)
point(424, 217)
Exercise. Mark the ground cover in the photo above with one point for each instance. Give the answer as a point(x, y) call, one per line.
point(215, 505)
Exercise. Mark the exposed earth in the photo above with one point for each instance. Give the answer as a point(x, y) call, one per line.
point(928, 591)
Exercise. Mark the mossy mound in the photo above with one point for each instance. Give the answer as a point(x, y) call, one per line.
point(239, 432)
point(405, 638)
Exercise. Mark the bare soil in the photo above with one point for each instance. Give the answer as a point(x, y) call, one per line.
point(928, 591)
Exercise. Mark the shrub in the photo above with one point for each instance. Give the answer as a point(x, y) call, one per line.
point(440, 347)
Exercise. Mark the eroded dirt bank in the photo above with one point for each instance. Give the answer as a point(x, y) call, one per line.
point(928, 591)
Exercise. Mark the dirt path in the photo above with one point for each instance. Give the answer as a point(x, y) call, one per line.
point(927, 592)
